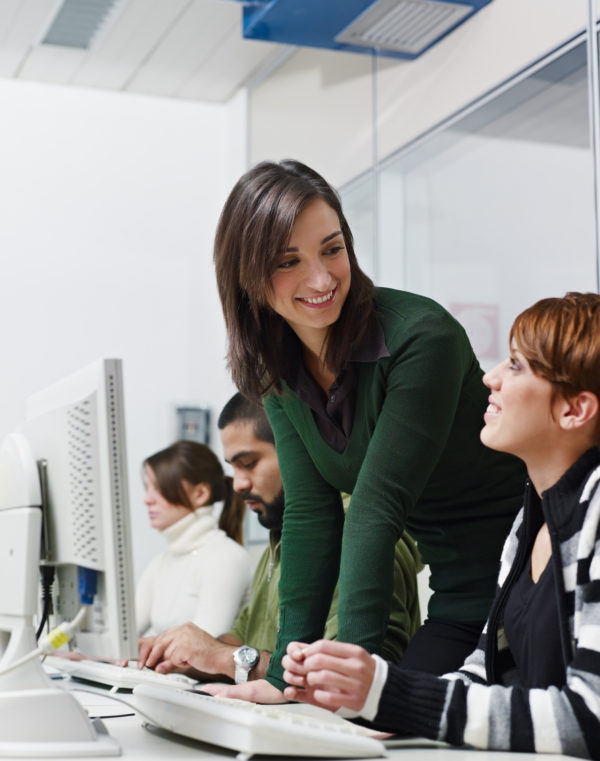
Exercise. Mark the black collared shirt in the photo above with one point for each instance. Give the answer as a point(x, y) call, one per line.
point(334, 413)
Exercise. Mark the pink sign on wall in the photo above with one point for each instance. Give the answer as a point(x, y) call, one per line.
point(482, 324)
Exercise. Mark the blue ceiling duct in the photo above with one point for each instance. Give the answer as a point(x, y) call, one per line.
point(396, 28)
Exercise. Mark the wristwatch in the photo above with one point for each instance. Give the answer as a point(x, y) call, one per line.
point(245, 659)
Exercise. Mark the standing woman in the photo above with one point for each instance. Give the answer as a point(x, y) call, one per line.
point(533, 684)
point(370, 391)
point(203, 574)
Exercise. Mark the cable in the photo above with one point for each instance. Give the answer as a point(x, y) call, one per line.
point(50, 642)
point(47, 579)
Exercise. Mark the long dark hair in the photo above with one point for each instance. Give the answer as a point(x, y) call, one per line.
point(254, 228)
point(197, 464)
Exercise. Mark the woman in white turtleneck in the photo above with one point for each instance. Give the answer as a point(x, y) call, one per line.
point(203, 574)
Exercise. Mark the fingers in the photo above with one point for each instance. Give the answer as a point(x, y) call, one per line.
point(153, 656)
point(328, 673)
point(321, 698)
point(256, 691)
point(341, 657)
point(295, 650)
point(165, 667)
point(306, 695)
point(144, 647)
point(293, 664)
point(299, 651)
point(291, 677)
point(322, 674)
point(175, 648)
point(158, 651)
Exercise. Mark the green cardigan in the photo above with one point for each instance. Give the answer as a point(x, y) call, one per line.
point(413, 460)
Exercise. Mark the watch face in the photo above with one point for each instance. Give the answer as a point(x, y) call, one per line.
point(247, 656)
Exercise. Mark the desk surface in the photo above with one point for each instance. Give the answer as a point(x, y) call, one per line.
point(139, 742)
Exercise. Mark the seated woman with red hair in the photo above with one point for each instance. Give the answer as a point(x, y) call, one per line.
point(533, 683)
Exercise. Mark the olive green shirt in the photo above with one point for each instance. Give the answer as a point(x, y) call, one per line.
point(257, 623)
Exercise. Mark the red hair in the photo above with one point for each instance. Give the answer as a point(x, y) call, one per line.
point(560, 339)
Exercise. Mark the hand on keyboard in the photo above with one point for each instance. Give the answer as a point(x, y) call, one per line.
point(255, 691)
point(190, 649)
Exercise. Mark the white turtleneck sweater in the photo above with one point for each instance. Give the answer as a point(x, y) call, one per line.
point(202, 576)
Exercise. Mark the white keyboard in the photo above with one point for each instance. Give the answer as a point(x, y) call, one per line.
point(118, 678)
point(283, 730)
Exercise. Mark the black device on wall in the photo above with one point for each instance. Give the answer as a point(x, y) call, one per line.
point(193, 424)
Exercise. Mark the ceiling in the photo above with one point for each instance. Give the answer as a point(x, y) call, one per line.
point(188, 49)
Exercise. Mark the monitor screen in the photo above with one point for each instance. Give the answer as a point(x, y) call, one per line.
point(69, 459)
point(76, 430)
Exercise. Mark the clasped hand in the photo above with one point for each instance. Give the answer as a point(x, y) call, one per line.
point(328, 674)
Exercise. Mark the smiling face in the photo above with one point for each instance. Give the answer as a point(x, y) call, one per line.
point(312, 279)
point(519, 417)
point(161, 513)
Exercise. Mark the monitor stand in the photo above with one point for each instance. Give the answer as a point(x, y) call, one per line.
point(37, 718)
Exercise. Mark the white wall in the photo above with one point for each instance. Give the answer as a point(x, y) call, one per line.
point(319, 106)
point(109, 204)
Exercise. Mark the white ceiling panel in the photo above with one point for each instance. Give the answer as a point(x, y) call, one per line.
point(234, 60)
point(51, 63)
point(192, 40)
point(22, 23)
point(141, 26)
point(191, 49)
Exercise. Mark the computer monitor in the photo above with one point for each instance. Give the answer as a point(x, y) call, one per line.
point(67, 460)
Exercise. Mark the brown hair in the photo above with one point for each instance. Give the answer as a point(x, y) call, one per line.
point(255, 226)
point(560, 339)
point(196, 463)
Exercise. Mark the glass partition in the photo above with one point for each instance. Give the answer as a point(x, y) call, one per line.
point(359, 204)
point(493, 211)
